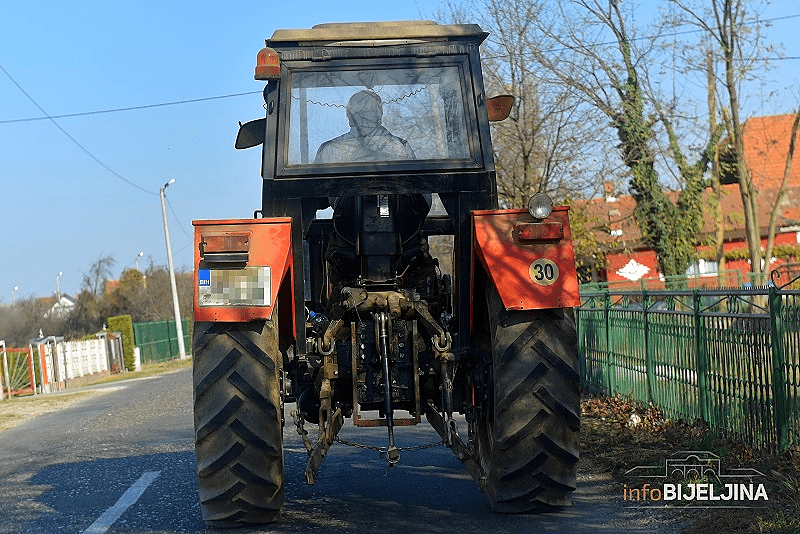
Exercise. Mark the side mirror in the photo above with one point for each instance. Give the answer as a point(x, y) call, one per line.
point(499, 107)
point(251, 134)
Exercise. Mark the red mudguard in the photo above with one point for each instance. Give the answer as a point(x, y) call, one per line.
point(240, 267)
point(530, 262)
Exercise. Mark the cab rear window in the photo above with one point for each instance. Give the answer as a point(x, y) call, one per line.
point(393, 115)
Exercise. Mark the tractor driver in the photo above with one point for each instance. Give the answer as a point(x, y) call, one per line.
point(367, 139)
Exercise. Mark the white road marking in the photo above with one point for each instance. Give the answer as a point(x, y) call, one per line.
point(128, 499)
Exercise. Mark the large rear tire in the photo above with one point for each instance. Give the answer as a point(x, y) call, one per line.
point(237, 421)
point(528, 431)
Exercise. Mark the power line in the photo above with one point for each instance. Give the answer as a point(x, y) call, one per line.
point(131, 108)
point(785, 17)
point(52, 118)
point(177, 219)
point(75, 141)
point(233, 95)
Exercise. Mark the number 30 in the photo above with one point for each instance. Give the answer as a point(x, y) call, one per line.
point(543, 271)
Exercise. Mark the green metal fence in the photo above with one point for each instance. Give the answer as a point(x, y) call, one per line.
point(728, 357)
point(158, 340)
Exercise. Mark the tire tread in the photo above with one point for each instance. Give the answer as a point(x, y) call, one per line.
point(528, 441)
point(238, 427)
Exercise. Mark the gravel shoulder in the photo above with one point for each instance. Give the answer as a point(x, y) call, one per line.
point(18, 410)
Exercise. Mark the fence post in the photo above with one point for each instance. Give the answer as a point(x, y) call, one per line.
point(31, 373)
point(187, 333)
point(580, 345)
point(649, 360)
point(703, 386)
point(43, 374)
point(611, 382)
point(781, 410)
point(5, 371)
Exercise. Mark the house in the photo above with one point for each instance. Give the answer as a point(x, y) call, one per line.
point(57, 307)
point(628, 261)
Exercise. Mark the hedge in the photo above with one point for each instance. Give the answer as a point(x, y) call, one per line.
point(124, 324)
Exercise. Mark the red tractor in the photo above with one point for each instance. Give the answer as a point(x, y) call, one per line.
point(376, 139)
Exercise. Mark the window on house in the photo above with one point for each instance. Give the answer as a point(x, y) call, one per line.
point(702, 267)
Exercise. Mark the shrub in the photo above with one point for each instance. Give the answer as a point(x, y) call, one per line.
point(124, 324)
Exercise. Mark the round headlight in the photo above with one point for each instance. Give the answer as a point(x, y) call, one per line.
point(540, 206)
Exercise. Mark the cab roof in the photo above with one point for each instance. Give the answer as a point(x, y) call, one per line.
point(376, 33)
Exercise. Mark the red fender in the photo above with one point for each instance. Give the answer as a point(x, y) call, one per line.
point(530, 262)
point(240, 266)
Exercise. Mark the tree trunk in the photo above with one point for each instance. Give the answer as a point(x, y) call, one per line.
point(748, 192)
point(719, 217)
point(776, 207)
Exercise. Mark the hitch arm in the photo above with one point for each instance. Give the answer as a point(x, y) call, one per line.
point(324, 442)
point(440, 425)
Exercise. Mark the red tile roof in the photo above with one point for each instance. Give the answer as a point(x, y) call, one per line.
point(766, 145)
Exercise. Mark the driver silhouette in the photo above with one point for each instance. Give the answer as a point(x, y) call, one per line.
point(367, 139)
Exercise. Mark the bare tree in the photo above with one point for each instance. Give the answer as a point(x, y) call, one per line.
point(589, 46)
point(549, 142)
point(735, 30)
point(94, 281)
point(773, 215)
point(147, 296)
point(23, 320)
point(716, 184)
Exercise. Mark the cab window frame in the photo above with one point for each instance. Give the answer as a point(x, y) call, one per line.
point(461, 61)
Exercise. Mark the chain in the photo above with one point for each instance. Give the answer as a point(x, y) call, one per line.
point(344, 106)
point(382, 450)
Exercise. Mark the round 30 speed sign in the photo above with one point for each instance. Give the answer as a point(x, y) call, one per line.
point(543, 271)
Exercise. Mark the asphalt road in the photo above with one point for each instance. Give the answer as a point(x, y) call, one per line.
point(69, 471)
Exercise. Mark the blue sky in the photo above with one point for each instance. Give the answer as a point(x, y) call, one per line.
point(62, 208)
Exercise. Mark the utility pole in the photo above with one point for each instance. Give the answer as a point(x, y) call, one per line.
point(175, 304)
